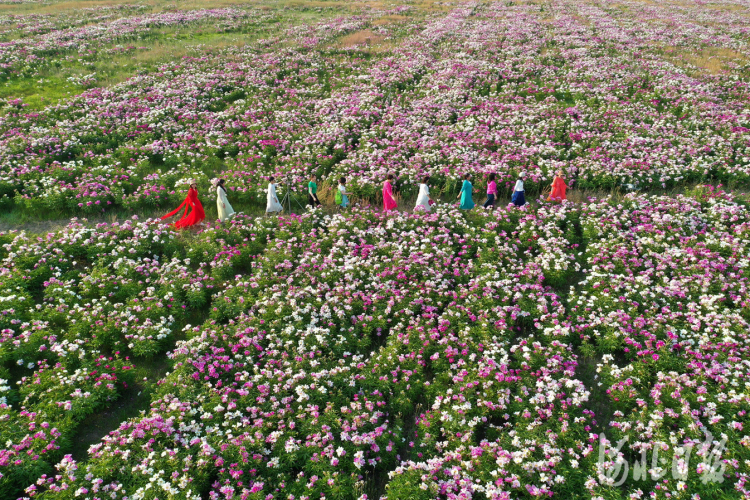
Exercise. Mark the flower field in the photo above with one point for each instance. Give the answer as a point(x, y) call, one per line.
point(615, 94)
point(597, 349)
point(416, 356)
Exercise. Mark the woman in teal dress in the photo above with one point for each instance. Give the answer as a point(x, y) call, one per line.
point(467, 203)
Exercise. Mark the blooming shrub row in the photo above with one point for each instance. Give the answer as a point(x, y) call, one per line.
point(480, 88)
point(84, 34)
point(426, 356)
point(665, 307)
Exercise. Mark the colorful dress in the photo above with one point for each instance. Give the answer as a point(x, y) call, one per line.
point(558, 189)
point(491, 194)
point(344, 198)
point(195, 216)
point(467, 203)
point(518, 198)
point(423, 199)
point(388, 202)
point(222, 204)
point(272, 201)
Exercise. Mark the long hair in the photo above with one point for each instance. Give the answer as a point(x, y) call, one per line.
point(221, 185)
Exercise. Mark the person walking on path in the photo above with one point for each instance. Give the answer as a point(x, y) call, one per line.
point(518, 198)
point(467, 203)
point(196, 215)
point(491, 192)
point(312, 192)
point(423, 199)
point(389, 203)
point(341, 197)
point(272, 201)
point(558, 188)
point(222, 203)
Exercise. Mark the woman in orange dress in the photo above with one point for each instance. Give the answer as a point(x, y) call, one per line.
point(558, 188)
point(196, 215)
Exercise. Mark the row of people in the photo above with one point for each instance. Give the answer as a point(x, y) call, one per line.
point(341, 198)
point(558, 190)
point(193, 208)
point(558, 193)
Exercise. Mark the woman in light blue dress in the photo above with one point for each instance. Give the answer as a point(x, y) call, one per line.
point(467, 203)
point(342, 194)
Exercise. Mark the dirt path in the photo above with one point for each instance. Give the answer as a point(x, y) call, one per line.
point(36, 227)
point(404, 205)
point(53, 225)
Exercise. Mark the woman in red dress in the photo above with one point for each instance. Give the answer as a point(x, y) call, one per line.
point(558, 188)
point(191, 201)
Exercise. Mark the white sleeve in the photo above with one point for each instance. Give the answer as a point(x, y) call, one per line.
point(519, 185)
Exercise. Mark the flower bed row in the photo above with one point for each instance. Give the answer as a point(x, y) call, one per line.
point(440, 95)
point(446, 355)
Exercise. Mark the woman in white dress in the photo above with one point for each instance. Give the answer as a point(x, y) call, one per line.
point(272, 201)
point(519, 198)
point(423, 199)
point(222, 204)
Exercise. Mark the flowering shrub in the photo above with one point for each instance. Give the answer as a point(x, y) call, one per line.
point(589, 350)
point(464, 91)
point(665, 303)
point(400, 356)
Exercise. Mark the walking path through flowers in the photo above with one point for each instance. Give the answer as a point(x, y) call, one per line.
point(596, 349)
point(325, 354)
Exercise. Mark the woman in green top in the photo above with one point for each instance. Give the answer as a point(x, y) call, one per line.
point(467, 203)
point(312, 192)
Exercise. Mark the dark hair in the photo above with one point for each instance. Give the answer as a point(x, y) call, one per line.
point(342, 180)
point(426, 178)
point(390, 177)
point(492, 176)
point(270, 178)
point(221, 185)
point(467, 175)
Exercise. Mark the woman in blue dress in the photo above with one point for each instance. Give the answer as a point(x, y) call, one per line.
point(467, 203)
point(518, 198)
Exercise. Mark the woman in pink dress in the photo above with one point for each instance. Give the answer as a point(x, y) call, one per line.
point(491, 192)
point(389, 203)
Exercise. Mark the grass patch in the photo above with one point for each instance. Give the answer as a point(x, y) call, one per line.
point(390, 20)
point(316, 4)
point(56, 8)
point(119, 68)
point(132, 402)
point(365, 37)
point(52, 85)
point(599, 400)
point(712, 60)
point(39, 92)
